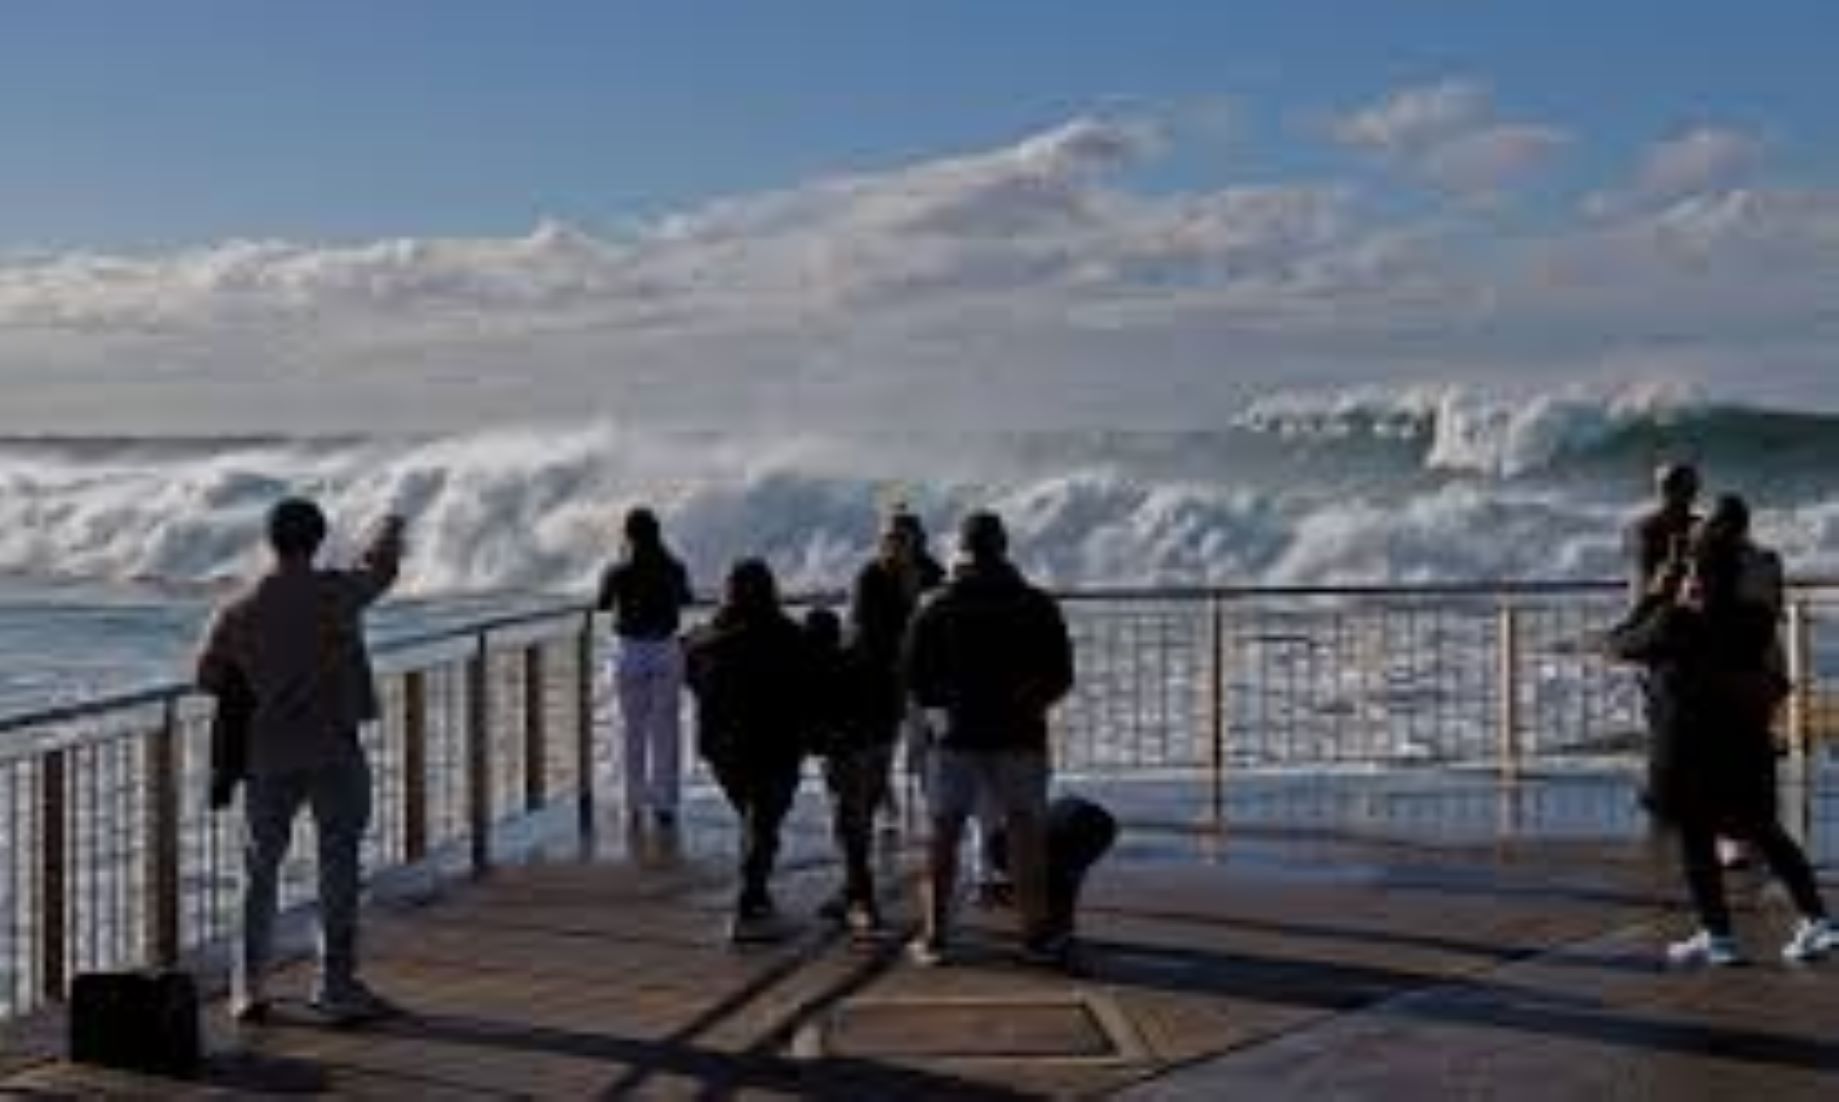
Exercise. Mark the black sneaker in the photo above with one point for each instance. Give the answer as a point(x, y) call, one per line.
point(1048, 950)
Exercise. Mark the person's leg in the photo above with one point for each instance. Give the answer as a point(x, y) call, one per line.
point(665, 728)
point(733, 778)
point(864, 788)
point(1021, 782)
point(341, 801)
point(775, 787)
point(634, 697)
point(951, 792)
point(1698, 849)
point(850, 821)
point(269, 805)
point(1788, 862)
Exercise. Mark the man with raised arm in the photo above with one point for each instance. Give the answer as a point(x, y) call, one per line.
point(295, 639)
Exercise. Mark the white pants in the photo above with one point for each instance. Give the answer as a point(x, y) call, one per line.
point(648, 675)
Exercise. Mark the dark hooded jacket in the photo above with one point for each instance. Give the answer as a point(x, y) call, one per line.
point(881, 608)
point(752, 674)
point(992, 651)
point(1713, 687)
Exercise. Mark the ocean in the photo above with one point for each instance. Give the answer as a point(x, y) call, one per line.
point(113, 549)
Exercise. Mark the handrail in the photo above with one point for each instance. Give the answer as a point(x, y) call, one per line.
point(174, 690)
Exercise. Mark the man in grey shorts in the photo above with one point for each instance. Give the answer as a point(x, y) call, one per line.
point(986, 660)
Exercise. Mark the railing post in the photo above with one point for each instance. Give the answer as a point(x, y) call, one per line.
point(478, 755)
point(414, 765)
point(53, 934)
point(1801, 696)
point(1800, 672)
point(1507, 682)
point(1216, 711)
point(161, 759)
point(536, 751)
point(584, 723)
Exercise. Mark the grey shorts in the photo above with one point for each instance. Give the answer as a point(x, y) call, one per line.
point(962, 783)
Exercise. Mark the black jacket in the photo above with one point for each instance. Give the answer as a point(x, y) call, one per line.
point(993, 652)
point(1712, 691)
point(646, 594)
point(752, 676)
point(844, 702)
point(881, 608)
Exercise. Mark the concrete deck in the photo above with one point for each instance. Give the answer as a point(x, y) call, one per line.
point(1286, 963)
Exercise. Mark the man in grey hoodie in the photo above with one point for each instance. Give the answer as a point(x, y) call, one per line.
point(295, 638)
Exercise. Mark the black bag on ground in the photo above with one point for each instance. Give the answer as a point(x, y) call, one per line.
point(1079, 833)
point(136, 1021)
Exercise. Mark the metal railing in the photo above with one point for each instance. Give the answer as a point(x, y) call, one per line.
point(1239, 699)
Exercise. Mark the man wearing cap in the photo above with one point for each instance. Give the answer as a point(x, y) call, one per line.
point(986, 659)
point(295, 639)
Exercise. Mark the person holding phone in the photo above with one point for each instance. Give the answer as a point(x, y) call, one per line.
point(294, 642)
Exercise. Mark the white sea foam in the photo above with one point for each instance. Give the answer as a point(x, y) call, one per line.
point(1426, 484)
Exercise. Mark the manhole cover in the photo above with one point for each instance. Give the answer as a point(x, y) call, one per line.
point(965, 1028)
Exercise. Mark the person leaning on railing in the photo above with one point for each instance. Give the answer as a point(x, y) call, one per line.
point(295, 640)
point(1707, 633)
point(646, 590)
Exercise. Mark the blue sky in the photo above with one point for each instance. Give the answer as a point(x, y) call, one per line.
point(436, 213)
point(136, 125)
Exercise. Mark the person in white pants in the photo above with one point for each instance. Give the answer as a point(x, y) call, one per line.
point(646, 590)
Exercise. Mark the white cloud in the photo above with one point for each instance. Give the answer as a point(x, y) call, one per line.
point(1701, 160)
point(1485, 161)
point(1447, 134)
point(1021, 284)
point(1413, 118)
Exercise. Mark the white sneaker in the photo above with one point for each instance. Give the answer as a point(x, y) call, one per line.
point(1705, 948)
point(1813, 938)
point(926, 952)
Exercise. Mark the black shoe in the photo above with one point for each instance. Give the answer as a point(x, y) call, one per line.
point(834, 909)
point(1048, 950)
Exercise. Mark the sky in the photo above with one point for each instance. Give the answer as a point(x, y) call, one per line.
point(223, 216)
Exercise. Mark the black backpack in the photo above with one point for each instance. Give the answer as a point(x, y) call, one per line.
point(136, 1021)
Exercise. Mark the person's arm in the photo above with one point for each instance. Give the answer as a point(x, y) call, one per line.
point(1653, 632)
point(609, 589)
point(216, 669)
point(380, 563)
point(680, 577)
point(1052, 678)
point(919, 664)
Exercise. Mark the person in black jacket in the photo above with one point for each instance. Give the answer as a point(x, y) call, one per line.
point(646, 591)
point(887, 591)
point(1707, 633)
point(986, 660)
point(751, 672)
point(1657, 537)
point(855, 765)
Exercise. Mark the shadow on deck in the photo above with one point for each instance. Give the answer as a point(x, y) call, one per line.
point(1284, 963)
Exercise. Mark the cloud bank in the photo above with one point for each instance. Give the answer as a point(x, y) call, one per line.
point(1025, 284)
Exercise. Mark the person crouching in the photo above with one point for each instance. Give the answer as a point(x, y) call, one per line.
point(750, 671)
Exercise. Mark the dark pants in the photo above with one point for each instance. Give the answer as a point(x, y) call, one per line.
point(858, 781)
point(761, 793)
point(1698, 842)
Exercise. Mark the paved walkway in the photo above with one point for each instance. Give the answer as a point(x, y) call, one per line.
point(1288, 964)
